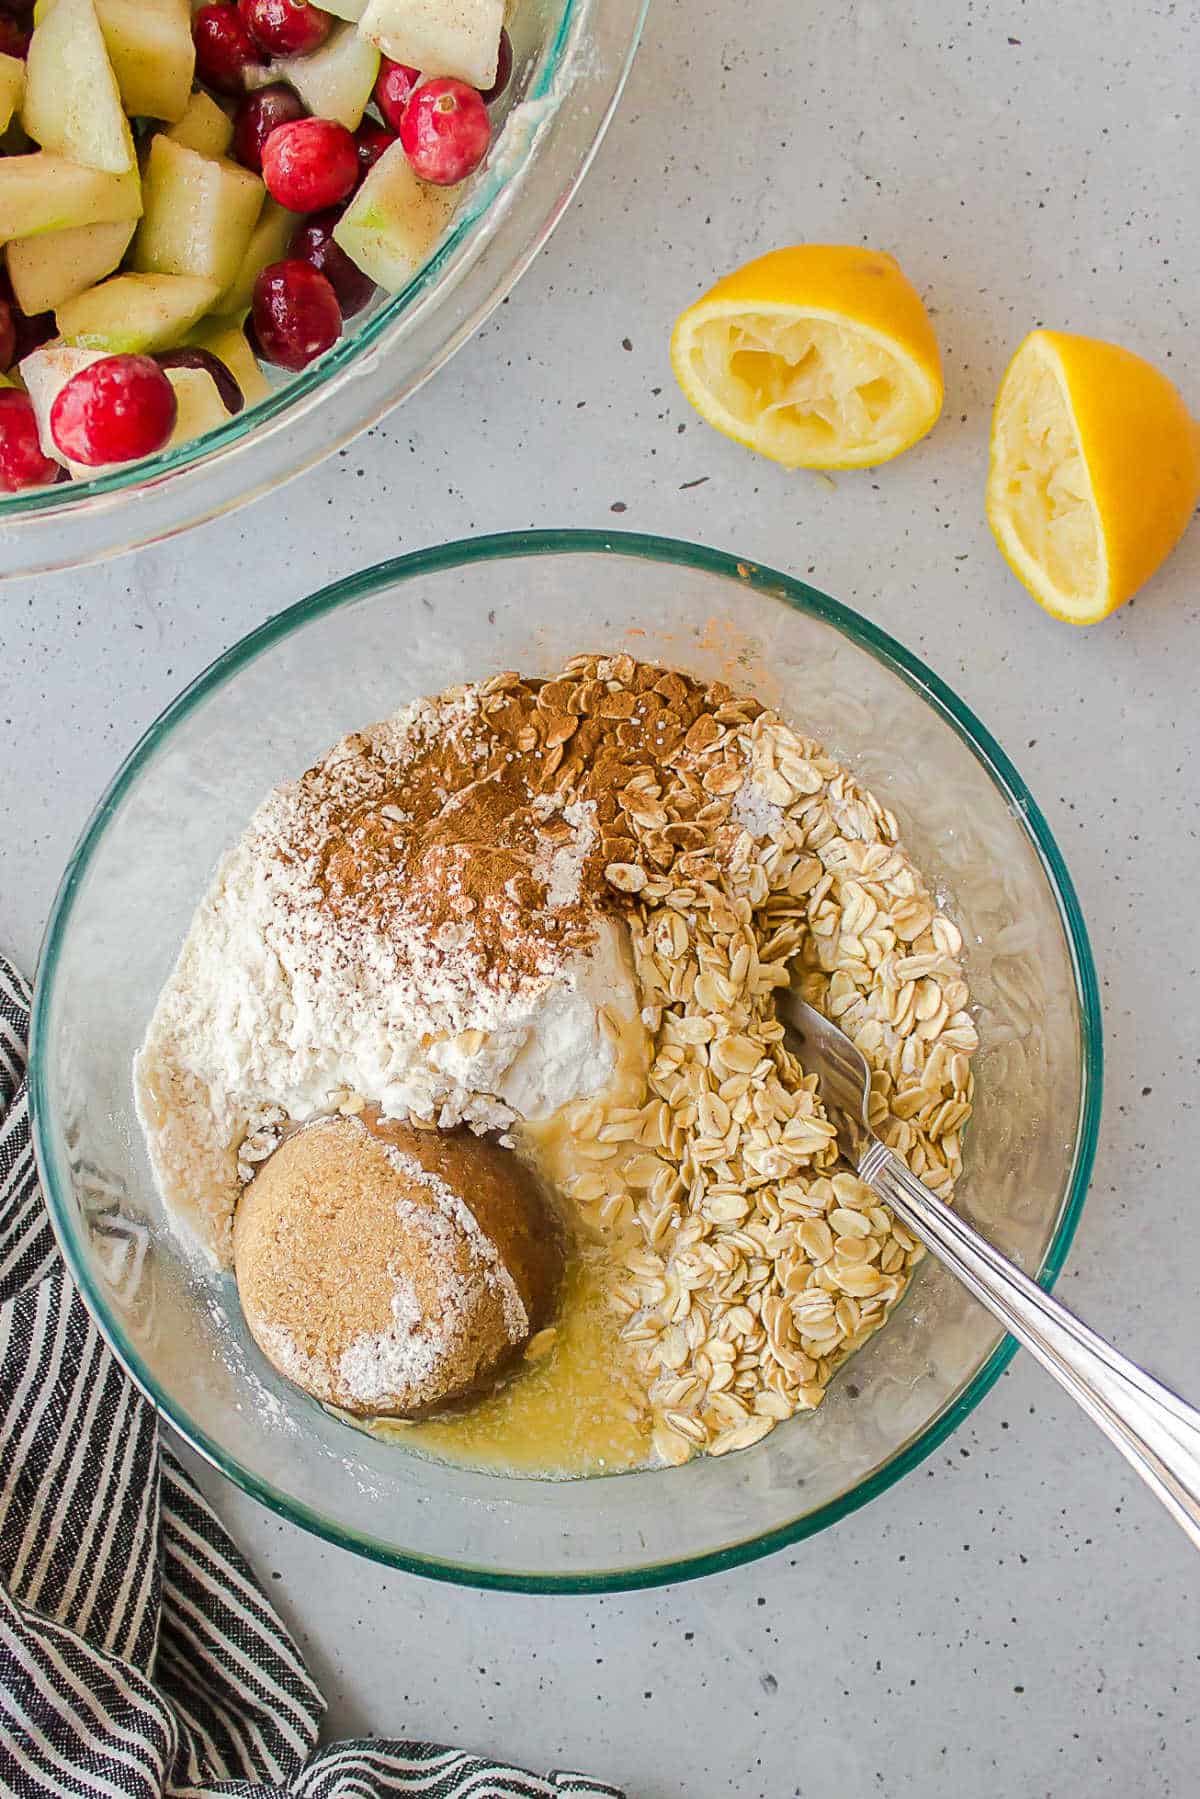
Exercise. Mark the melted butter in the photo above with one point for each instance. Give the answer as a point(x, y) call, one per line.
point(580, 1408)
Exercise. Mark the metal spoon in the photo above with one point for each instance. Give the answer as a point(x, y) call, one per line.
point(1152, 1427)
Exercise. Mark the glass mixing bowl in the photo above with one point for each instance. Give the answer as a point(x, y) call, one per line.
point(353, 653)
point(571, 58)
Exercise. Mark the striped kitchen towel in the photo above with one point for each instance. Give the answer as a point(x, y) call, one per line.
point(138, 1654)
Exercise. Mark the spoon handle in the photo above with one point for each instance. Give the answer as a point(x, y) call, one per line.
point(1156, 1432)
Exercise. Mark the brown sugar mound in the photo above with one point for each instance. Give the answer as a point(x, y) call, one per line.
point(390, 1271)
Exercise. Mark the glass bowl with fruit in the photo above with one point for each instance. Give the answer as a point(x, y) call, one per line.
point(235, 235)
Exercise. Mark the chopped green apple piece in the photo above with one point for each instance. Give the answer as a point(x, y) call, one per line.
point(12, 87)
point(229, 343)
point(45, 373)
point(439, 37)
point(345, 9)
point(72, 105)
point(256, 75)
point(201, 407)
point(56, 266)
point(149, 44)
point(268, 243)
point(335, 81)
point(135, 312)
point(203, 127)
point(393, 221)
point(47, 193)
point(200, 212)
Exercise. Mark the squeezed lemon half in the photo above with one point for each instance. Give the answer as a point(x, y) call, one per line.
point(818, 356)
point(1094, 472)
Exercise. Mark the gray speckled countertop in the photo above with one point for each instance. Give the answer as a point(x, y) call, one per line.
point(1016, 1619)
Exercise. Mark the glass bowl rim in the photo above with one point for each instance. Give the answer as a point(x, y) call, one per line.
point(501, 547)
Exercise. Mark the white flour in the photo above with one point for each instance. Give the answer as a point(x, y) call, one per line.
point(561, 867)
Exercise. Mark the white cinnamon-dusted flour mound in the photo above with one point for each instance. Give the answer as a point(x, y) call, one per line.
point(384, 929)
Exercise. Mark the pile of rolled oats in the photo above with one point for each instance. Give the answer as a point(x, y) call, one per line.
point(755, 1261)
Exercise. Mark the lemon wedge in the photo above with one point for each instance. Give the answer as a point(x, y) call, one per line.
point(818, 356)
point(1094, 473)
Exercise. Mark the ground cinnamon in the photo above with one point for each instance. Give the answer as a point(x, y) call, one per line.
point(453, 827)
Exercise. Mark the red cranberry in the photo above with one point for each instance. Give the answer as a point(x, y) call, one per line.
point(371, 140)
point(394, 88)
point(309, 164)
point(504, 63)
point(445, 131)
point(14, 41)
point(8, 336)
point(256, 118)
point(313, 242)
point(113, 411)
point(22, 463)
point(224, 48)
point(295, 313)
point(285, 27)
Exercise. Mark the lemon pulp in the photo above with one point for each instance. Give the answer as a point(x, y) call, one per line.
point(1040, 490)
point(804, 387)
